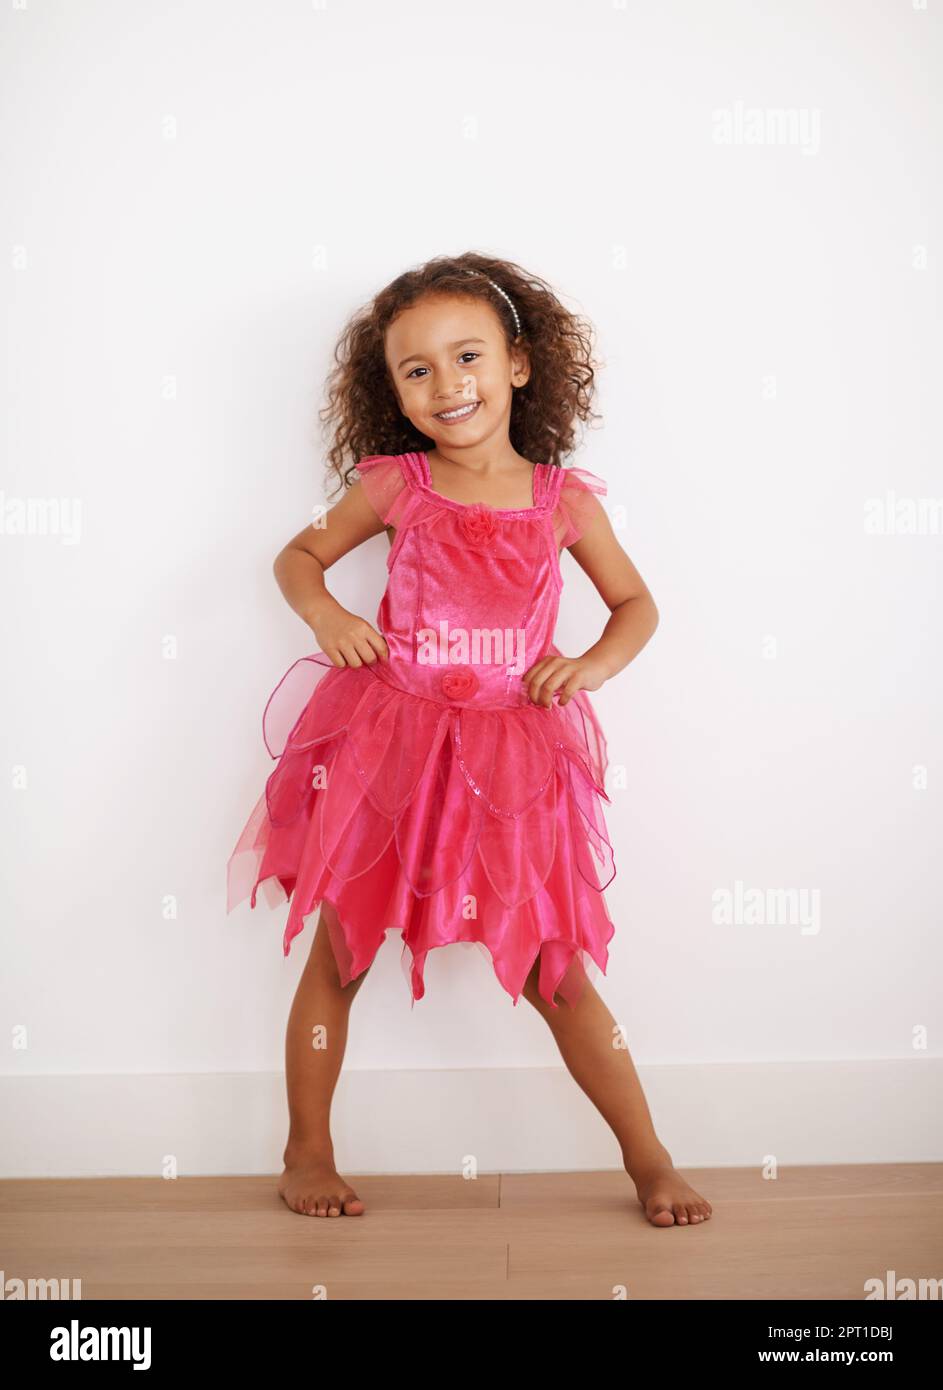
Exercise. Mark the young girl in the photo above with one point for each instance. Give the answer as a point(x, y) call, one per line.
point(440, 774)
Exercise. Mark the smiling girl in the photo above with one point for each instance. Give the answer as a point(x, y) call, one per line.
point(449, 792)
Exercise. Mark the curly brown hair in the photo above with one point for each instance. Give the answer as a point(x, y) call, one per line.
point(362, 416)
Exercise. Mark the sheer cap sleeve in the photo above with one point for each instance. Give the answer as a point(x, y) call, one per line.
point(577, 503)
point(384, 485)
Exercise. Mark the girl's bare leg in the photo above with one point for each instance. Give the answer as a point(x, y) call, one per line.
point(597, 1059)
point(314, 1051)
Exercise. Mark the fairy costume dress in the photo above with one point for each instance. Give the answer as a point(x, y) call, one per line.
point(427, 793)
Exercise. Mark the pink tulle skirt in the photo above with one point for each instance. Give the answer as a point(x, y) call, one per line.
point(445, 821)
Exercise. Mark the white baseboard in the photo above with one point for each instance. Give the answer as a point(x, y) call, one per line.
point(509, 1120)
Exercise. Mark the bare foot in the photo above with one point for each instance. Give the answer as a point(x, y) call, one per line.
point(313, 1187)
point(663, 1193)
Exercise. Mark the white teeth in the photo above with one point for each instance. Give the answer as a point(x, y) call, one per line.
point(457, 414)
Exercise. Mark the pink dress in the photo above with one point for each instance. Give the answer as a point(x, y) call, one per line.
point(428, 794)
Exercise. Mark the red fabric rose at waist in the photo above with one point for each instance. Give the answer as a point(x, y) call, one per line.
point(459, 684)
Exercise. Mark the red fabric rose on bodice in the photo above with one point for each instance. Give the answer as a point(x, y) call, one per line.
point(478, 524)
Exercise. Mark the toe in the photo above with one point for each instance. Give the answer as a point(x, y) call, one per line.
point(660, 1215)
point(352, 1204)
point(681, 1215)
point(334, 1206)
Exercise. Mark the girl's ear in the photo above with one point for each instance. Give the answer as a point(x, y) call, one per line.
point(520, 366)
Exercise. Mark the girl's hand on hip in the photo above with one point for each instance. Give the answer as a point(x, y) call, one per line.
point(347, 639)
point(562, 676)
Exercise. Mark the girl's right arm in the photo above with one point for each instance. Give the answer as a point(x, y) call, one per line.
point(299, 569)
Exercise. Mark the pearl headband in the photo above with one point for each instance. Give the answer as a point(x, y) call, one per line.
point(504, 295)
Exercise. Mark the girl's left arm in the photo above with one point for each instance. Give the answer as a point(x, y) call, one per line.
point(633, 621)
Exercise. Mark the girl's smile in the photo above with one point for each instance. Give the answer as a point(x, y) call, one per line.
point(457, 415)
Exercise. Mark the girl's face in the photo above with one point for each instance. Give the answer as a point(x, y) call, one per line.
point(451, 369)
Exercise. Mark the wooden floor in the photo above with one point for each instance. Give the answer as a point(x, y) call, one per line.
point(811, 1233)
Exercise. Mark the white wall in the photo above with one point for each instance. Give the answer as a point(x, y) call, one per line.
point(197, 196)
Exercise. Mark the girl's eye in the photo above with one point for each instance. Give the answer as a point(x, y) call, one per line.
point(469, 353)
